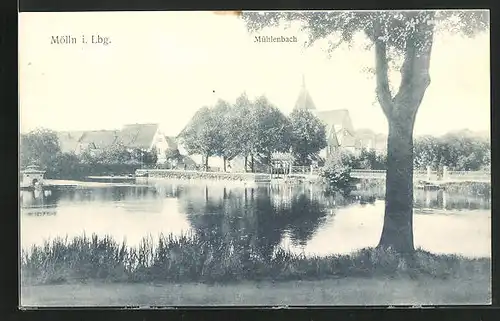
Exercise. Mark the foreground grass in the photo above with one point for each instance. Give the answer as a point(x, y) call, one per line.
point(203, 259)
point(346, 291)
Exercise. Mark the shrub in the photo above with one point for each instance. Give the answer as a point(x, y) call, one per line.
point(336, 174)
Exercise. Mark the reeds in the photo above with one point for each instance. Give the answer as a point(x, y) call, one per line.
point(198, 258)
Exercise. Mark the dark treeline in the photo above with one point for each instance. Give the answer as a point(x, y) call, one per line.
point(458, 151)
point(253, 130)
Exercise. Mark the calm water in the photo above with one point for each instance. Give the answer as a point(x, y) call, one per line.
point(300, 218)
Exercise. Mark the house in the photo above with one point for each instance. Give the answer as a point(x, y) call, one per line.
point(369, 140)
point(339, 128)
point(79, 141)
point(145, 137)
point(96, 140)
point(69, 141)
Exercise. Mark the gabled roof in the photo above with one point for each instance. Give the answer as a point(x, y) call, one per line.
point(331, 136)
point(337, 117)
point(69, 140)
point(348, 140)
point(99, 138)
point(304, 101)
point(137, 135)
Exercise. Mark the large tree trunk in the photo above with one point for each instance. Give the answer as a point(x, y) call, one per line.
point(246, 163)
point(401, 111)
point(252, 163)
point(206, 163)
point(224, 158)
point(397, 232)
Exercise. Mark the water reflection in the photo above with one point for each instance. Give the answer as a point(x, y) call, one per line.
point(443, 200)
point(260, 217)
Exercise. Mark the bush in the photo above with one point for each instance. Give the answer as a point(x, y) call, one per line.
point(336, 174)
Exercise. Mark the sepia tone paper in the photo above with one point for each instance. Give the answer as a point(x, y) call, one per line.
point(244, 158)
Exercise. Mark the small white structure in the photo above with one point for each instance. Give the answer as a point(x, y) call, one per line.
point(32, 176)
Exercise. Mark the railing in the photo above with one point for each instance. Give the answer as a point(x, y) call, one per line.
point(367, 173)
point(431, 176)
point(306, 170)
point(469, 175)
point(357, 173)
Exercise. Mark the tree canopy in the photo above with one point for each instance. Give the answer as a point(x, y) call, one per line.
point(308, 135)
point(39, 146)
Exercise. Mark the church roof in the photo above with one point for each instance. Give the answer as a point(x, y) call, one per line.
point(337, 117)
point(304, 101)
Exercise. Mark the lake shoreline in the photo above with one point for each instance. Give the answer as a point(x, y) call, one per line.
point(194, 258)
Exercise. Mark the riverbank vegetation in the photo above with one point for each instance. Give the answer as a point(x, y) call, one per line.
point(42, 147)
point(302, 133)
point(200, 258)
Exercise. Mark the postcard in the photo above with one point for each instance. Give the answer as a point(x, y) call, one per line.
point(277, 158)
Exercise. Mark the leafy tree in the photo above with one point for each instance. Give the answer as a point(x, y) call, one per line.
point(202, 134)
point(336, 174)
point(67, 165)
point(173, 156)
point(401, 39)
point(227, 133)
point(370, 159)
point(426, 150)
point(308, 135)
point(114, 154)
point(39, 147)
point(273, 129)
point(455, 150)
point(244, 128)
point(139, 156)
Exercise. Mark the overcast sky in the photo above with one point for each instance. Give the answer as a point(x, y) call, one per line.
point(162, 66)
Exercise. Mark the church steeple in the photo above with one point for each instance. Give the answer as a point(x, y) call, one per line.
point(304, 101)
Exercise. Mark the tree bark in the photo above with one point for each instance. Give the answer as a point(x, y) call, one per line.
point(252, 162)
point(206, 163)
point(397, 232)
point(224, 158)
point(401, 111)
point(246, 163)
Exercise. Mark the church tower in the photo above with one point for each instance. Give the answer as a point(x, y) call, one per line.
point(304, 101)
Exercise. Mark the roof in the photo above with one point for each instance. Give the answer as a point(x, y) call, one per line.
point(137, 135)
point(304, 101)
point(336, 117)
point(100, 138)
point(331, 137)
point(365, 133)
point(69, 140)
point(348, 140)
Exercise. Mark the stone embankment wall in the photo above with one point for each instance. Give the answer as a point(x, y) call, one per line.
point(196, 175)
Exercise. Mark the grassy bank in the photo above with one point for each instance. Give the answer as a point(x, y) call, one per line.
point(200, 258)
